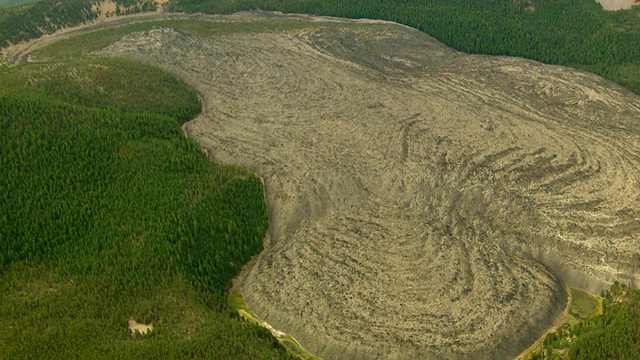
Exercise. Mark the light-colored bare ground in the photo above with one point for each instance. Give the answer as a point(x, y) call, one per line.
point(423, 203)
point(617, 4)
point(105, 9)
point(136, 327)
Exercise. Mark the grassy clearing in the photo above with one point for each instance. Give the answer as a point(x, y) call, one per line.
point(237, 304)
point(583, 306)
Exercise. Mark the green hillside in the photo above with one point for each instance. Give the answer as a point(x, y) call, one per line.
point(109, 214)
point(19, 24)
point(12, 3)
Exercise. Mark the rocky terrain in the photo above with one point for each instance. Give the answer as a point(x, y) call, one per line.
point(423, 202)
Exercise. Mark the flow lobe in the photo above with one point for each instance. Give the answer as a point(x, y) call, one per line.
point(423, 202)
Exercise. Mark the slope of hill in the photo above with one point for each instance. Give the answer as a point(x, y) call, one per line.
point(578, 34)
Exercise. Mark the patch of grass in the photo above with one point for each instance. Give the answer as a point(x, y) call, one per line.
point(584, 305)
point(594, 334)
point(86, 43)
point(294, 348)
point(238, 305)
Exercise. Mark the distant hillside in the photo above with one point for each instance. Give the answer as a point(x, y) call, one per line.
point(10, 3)
point(48, 16)
point(575, 33)
point(43, 18)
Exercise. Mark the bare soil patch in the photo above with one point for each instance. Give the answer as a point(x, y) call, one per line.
point(423, 203)
point(617, 4)
point(136, 327)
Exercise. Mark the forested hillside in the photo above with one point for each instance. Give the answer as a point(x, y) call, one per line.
point(110, 215)
point(11, 3)
point(575, 33)
point(45, 17)
point(42, 18)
